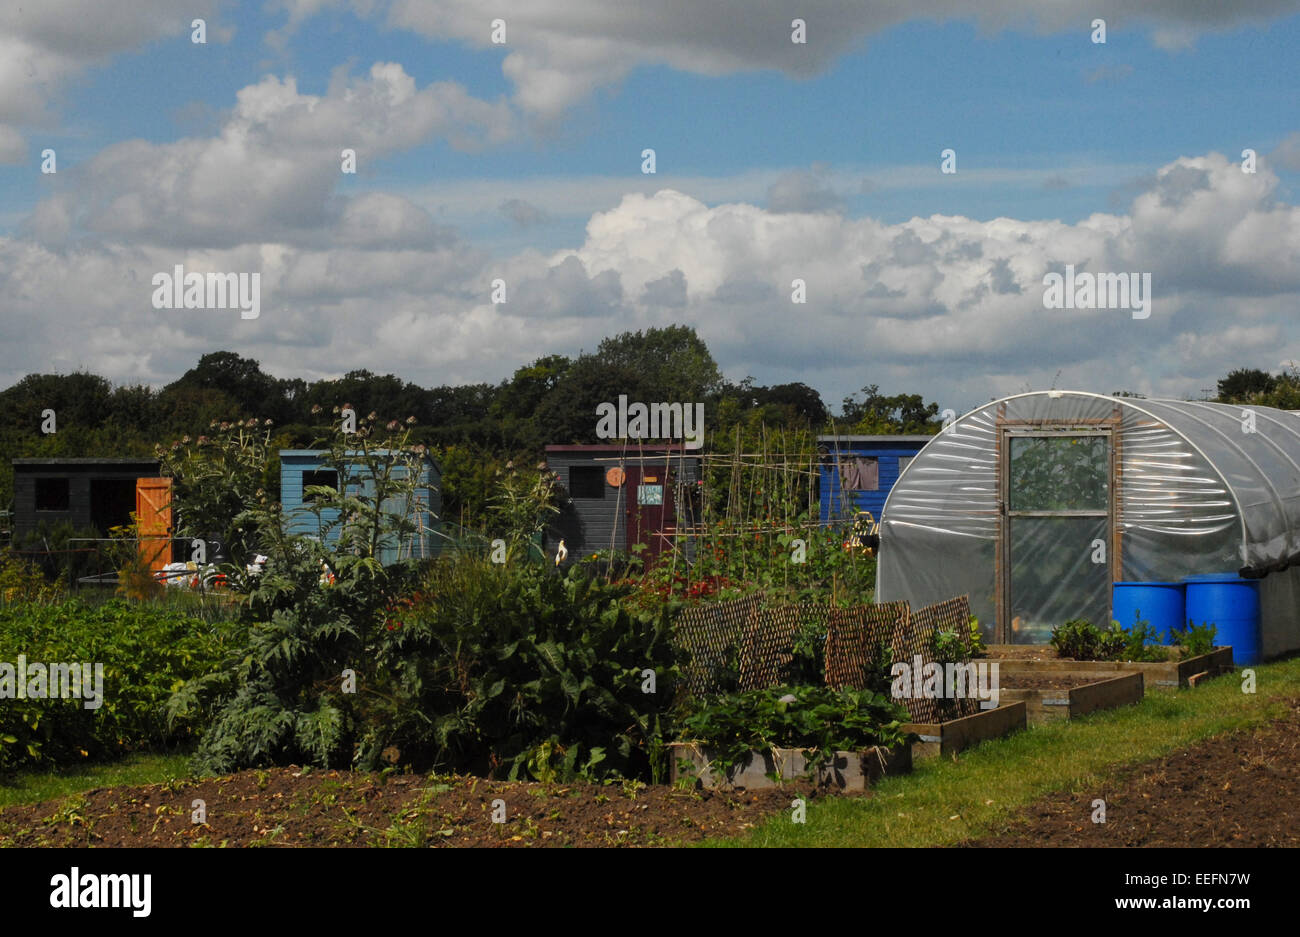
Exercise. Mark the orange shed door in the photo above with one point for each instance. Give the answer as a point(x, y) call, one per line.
point(153, 512)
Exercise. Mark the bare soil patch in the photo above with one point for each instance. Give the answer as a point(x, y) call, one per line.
point(1047, 681)
point(1023, 652)
point(289, 807)
point(1236, 790)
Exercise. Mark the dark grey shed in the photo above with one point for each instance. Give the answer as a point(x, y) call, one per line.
point(617, 496)
point(88, 493)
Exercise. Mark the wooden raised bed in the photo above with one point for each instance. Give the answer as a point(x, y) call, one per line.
point(847, 771)
point(1171, 673)
point(948, 738)
point(1048, 705)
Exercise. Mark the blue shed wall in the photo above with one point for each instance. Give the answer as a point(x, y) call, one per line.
point(300, 519)
point(888, 454)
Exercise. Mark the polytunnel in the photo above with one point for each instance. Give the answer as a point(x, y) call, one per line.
point(1033, 505)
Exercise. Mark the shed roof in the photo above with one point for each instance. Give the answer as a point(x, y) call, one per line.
point(317, 453)
point(76, 462)
point(619, 447)
point(900, 437)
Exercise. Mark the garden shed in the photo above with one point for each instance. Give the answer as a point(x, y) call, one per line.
point(301, 468)
point(1034, 505)
point(85, 492)
point(618, 497)
point(859, 471)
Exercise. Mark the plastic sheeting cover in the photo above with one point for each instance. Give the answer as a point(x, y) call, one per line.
point(1202, 488)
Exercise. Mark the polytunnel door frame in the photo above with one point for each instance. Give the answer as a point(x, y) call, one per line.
point(1009, 512)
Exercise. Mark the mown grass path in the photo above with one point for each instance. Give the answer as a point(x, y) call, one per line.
point(945, 801)
point(34, 787)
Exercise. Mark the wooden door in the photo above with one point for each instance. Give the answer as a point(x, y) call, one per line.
point(153, 512)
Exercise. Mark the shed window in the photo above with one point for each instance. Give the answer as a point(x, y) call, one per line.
point(52, 494)
point(587, 481)
point(903, 462)
point(860, 474)
point(650, 494)
point(328, 478)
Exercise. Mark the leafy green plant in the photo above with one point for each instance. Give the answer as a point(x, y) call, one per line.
point(879, 671)
point(817, 718)
point(738, 558)
point(506, 668)
point(22, 581)
point(1079, 639)
point(313, 615)
point(521, 507)
point(216, 478)
point(1195, 639)
point(524, 670)
point(1142, 641)
point(949, 647)
point(145, 652)
point(135, 578)
point(60, 550)
point(809, 654)
point(975, 638)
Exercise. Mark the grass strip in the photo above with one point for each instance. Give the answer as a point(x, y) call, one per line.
point(33, 787)
point(946, 800)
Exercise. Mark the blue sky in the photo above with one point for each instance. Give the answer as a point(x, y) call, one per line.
point(1007, 101)
point(1048, 128)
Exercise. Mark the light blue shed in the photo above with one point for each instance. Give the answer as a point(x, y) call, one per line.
point(301, 468)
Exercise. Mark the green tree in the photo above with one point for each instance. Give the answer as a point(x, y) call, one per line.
point(673, 361)
point(568, 413)
point(242, 379)
point(876, 413)
point(515, 403)
point(1244, 385)
point(78, 399)
point(366, 392)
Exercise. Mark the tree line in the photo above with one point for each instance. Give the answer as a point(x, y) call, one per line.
point(474, 429)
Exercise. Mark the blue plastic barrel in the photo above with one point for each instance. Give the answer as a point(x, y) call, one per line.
point(1161, 604)
point(1231, 604)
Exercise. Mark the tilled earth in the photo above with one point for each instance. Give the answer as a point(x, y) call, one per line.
point(1047, 681)
point(1236, 790)
point(292, 807)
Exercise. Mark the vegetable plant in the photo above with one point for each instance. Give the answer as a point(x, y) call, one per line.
point(810, 717)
